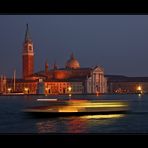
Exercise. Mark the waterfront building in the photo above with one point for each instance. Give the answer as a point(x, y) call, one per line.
point(72, 79)
point(3, 82)
point(124, 84)
point(81, 80)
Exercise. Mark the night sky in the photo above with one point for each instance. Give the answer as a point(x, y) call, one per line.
point(119, 43)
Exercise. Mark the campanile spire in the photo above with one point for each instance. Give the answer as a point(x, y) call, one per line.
point(27, 34)
point(28, 55)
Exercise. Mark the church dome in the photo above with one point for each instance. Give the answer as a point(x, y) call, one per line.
point(72, 63)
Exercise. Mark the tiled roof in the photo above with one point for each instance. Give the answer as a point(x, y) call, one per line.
point(20, 80)
point(67, 80)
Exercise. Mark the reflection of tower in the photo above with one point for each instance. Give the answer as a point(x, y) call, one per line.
point(77, 125)
point(28, 55)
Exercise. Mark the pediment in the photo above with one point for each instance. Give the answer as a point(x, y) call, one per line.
point(98, 69)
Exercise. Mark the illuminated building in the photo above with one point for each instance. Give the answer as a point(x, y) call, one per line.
point(3, 87)
point(123, 84)
point(56, 80)
point(28, 55)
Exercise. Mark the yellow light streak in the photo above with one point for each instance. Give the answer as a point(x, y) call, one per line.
point(102, 116)
point(68, 109)
point(112, 104)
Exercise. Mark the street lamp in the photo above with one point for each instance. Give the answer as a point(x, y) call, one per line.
point(9, 90)
point(26, 90)
point(46, 90)
point(69, 90)
point(139, 89)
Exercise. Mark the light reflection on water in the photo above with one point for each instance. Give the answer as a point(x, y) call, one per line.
point(45, 126)
point(76, 124)
point(12, 120)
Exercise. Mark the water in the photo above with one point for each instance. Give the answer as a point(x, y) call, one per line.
point(13, 120)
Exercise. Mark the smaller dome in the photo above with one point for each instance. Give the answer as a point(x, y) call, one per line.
point(72, 63)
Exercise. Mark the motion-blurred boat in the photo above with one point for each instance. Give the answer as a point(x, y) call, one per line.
point(79, 107)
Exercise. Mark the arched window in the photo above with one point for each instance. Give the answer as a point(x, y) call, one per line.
point(30, 47)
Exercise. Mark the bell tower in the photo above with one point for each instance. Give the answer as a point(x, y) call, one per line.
point(27, 55)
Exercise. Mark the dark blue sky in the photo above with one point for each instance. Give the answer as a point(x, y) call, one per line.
point(119, 43)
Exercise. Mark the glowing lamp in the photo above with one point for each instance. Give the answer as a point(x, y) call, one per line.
point(9, 90)
point(139, 88)
point(69, 88)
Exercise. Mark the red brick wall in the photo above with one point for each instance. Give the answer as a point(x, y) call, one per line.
point(28, 65)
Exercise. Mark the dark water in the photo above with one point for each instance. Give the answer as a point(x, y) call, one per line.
point(13, 120)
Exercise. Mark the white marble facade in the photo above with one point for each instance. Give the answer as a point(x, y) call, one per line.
point(96, 83)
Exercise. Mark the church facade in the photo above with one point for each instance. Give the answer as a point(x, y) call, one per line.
point(72, 79)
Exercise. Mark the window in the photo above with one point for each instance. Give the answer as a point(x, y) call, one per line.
point(30, 48)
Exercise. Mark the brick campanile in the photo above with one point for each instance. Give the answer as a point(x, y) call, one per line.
point(28, 55)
